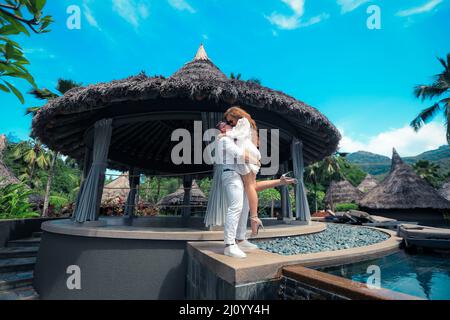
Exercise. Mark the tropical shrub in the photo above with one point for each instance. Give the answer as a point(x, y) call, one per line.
point(346, 207)
point(14, 202)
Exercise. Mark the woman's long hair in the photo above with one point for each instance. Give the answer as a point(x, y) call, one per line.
point(239, 113)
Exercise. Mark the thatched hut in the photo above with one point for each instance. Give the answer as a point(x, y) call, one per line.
point(368, 184)
point(127, 125)
point(444, 191)
point(6, 175)
point(117, 190)
point(342, 192)
point(403, 194)
point(174, 201)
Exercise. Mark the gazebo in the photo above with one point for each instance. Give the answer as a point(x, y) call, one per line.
point(342, 192)
point(404, 191)
point(127, 125)
point(131, 125)
point(368, 184)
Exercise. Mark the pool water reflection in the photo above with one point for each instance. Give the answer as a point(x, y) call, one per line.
point(423, 275)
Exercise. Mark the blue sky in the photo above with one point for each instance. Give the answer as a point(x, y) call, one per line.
point(320, 52)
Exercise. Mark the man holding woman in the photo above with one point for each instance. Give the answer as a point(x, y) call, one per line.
point(234, 189)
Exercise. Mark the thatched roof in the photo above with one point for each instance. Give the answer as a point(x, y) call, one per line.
point(199, 86)
point(6, 175)
point(116, 189)
point(368, 184)
point(198, 198)
point(403, 189)
point(444, 191)
point(342, 192)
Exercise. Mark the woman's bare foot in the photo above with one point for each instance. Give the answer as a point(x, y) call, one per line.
point(285, 181)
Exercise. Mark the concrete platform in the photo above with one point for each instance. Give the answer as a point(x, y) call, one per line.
point(264, 266)
point(118, 259)
point(114, 228)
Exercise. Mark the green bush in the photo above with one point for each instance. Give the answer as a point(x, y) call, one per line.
point(346, 206)
point(14, 202)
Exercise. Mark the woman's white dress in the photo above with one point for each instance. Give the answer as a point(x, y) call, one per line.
point(245, 137)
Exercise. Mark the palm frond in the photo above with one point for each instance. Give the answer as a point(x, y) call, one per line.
point(425, 116)
point(443, 62)
point(42, 94)
point(32, 111)
point(426, 91)
point(65, 85)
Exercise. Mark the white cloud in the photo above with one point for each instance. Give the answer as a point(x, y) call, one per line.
point(89, 15)
point(315, 20)
point(428, 6)
point(294, 21)
point(131, 11)
point(405, 140)
point(181, 5)
point(350, 5)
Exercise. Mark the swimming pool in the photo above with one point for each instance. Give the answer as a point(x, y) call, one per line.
point(421, 275)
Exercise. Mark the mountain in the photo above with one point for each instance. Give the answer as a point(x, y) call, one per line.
point(377, 165)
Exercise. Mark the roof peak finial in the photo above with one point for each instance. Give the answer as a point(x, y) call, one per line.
point(201, 53)
point(396, 159)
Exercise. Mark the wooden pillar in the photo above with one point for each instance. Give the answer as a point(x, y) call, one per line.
point(133, 195)
point(187, 185)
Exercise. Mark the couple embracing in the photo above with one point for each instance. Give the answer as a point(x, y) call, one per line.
point(234, 192)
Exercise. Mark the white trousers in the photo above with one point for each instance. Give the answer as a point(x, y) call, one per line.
point(237, 208)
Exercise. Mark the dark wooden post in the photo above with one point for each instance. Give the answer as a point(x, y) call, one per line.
point(187, 185)
point(130, 205)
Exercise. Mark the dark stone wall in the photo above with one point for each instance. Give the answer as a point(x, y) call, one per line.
point(111, 268)
point(20, 228)
point(291, 289)
point(203, 284)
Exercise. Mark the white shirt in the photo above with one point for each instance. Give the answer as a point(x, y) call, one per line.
point(230, 155)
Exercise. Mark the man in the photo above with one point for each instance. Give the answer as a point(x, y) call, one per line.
point(232, 158)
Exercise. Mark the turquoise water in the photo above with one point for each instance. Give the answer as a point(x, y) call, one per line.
point(424, 276)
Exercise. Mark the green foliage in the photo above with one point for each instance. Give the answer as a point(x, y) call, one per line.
point(14, 203)
point(153, 189)
point(440, 87)
point(65, 182)
point(428, 171)
point(342, 207)
point(58, 201)
point(351, 172)
point(316, 200)
point(205, 185)
point(17, 17)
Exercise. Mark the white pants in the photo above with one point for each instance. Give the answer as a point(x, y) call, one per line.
point(238, 207)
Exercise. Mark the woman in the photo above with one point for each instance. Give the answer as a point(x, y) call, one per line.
point(245, 133)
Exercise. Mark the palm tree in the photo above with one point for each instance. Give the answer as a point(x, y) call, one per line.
point(324, 172)
point(235, 76)
point(62, 87)
point(34, 155)
point(428, 171)
point(439, 87)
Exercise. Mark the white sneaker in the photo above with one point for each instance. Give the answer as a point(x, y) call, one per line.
point(247, 245)
point(235, 252)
